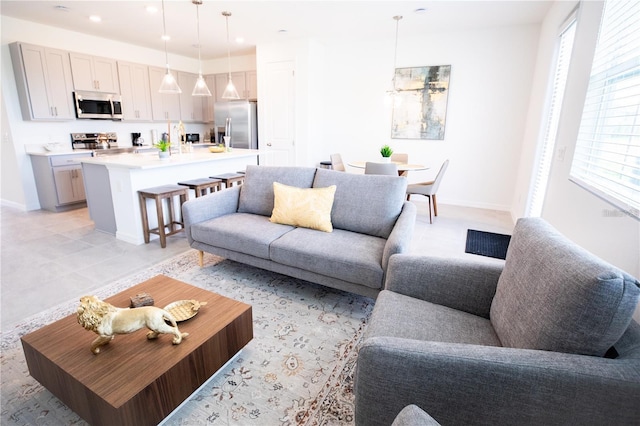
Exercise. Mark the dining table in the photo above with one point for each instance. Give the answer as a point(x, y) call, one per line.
point(403, 168)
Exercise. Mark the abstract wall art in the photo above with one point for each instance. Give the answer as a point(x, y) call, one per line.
point(420, 102)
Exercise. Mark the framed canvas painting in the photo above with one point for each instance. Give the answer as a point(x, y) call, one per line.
point(420, 102)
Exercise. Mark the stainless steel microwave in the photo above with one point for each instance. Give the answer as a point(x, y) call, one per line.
point(105, 106)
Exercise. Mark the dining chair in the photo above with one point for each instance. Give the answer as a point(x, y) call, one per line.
point(401, 158)
point(336, 163)
point(429, 189)
point(371, 168)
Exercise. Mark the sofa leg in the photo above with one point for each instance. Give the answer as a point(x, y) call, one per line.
point(200, 258)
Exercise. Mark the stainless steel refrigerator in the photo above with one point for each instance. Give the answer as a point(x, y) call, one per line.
point(239, 118)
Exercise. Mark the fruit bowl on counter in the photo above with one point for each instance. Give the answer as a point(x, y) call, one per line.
point(216, 149)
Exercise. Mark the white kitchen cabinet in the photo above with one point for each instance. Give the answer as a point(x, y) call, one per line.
point(191, 109)
point(135, 91)
point(251, 91)
point(69, 185)
point(208, 112)
point(163, 106)
point(44, 82)
point(59, 180)
point(94, 74)
point(238, 81)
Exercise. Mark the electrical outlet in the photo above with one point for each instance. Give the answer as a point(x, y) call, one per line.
point(560, 153)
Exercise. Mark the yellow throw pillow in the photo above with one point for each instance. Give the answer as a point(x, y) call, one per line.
point(304, 207)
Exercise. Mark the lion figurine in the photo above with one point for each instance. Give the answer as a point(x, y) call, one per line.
point(107, 320)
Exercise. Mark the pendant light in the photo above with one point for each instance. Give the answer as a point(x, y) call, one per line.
point(200, 88)
point(169, 83)
point(393, 90)
point(230, 91)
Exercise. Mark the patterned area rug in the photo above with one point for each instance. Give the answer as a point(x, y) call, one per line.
point(298, 369)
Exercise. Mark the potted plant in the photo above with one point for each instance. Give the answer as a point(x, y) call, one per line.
point(386, 152)
point(164, 147)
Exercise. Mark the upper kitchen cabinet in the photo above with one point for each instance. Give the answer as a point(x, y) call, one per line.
point(135, 91)
point(163, 106)
point(94, 74)
point(208, 103)
point(44, 83)
point(251, 78)
point(191, 107)
point(238, 81)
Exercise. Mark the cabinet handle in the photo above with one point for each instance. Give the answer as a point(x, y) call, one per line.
point(52, 114)
point(268, 143)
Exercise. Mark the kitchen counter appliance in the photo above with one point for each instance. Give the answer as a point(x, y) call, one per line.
point(98, 143)
point(105, 106)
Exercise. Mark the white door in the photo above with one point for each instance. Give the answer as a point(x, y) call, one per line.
point(277, 140)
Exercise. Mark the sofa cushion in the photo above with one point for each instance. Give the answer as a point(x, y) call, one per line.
point(344, 255)
point(305, 207)
point(256, 193)
point(242, 232)
point(367, 204)
point(553, 295)
point(394, 312)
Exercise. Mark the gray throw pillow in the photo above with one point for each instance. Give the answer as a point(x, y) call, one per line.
point(256, 193)
point(367, 204)
point(553, 295)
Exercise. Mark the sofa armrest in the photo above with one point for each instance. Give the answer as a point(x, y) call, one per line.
point(401, 234)
point(472, 384)
point(456, 283)
point(217, 204)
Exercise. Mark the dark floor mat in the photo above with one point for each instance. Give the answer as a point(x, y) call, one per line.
point(487, 244)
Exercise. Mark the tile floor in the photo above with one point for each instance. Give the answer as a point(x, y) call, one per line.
point(49, 258)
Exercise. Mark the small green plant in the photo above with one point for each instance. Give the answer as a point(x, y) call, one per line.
point(386, 151)
point(163, 145)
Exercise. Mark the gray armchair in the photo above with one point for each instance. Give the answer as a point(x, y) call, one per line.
point(548, 338)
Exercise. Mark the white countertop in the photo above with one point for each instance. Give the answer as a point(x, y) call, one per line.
point(69, 151)
point(151, 160)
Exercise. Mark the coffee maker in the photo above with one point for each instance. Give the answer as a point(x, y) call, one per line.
point(136, 140)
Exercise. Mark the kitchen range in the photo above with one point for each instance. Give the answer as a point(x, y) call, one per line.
point(98, 144)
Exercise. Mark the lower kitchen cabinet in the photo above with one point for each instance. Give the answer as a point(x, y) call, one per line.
point(59, 181)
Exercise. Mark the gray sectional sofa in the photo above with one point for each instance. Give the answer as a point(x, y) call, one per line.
point(370, 218)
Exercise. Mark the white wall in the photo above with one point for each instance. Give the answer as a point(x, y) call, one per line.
point(584, 218)
point(491, 75)
point(18, 185)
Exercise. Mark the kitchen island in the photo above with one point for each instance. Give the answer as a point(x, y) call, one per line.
point(112, 184)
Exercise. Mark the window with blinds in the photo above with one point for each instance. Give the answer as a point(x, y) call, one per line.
point(607, 156)
point(545, 153)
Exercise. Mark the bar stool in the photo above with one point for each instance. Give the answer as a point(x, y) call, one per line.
point(203, 186)
point(230, 178)
point(159, 193)
point(326, 164)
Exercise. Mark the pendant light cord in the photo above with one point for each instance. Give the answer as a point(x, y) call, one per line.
point(395, 53)
point(226, 15)
point(164, 36)
point(199, 46)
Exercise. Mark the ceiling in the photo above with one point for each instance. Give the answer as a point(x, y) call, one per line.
point(265, 21)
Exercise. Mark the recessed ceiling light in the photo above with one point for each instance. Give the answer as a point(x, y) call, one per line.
point(282, 31)
point(95, 18)
point(166, 37)
point(239, 40)
point(420, 11)
point(152, 9)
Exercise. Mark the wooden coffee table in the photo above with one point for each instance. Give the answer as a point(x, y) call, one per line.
point(135, 381)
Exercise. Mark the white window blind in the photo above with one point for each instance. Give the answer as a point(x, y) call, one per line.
point(607, 156)
point(545, 153)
